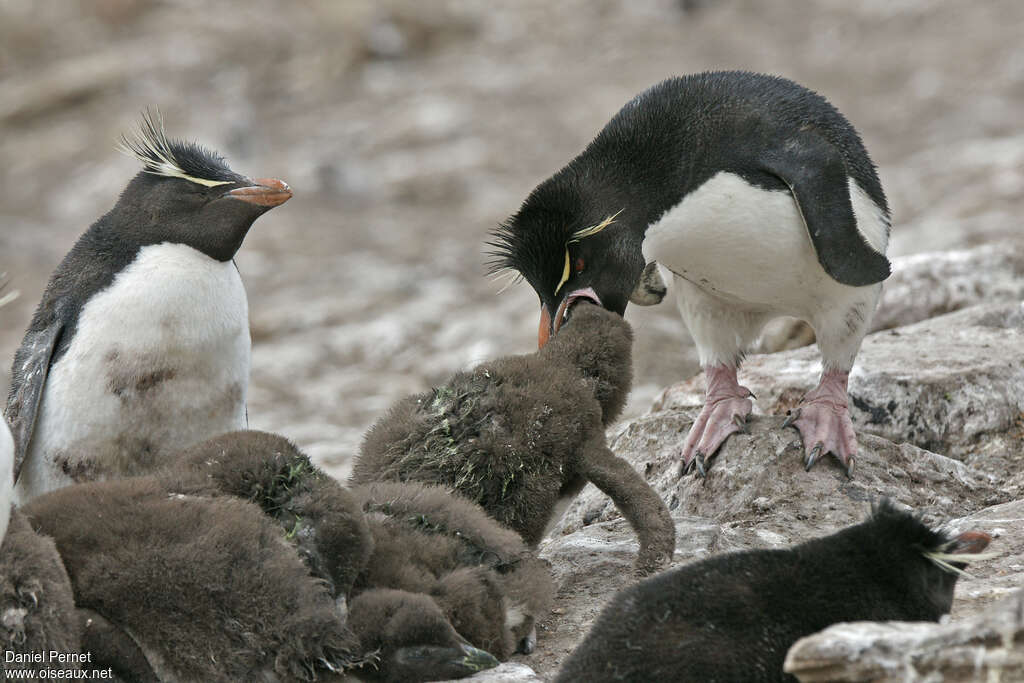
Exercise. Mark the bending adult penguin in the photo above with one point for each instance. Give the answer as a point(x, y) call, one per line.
point(140, 344)
point(733, 617)
point(761, 200)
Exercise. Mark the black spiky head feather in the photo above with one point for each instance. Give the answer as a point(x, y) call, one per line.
point(559, 242)
point(171, 158)
point(945, 551)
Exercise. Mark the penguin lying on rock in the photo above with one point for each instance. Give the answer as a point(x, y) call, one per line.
point(207, 588)
point(428, 539)
point(733, 617)
point(760, 199)
point(140, 344)
point(517, 434)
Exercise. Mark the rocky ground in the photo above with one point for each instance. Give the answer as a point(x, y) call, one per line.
point(410, 129)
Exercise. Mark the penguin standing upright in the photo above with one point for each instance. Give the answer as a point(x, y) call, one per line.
point(140, 345)
point(760, 199)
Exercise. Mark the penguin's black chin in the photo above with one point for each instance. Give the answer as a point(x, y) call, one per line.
point(565, 310)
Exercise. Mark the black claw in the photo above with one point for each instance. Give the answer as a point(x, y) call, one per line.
point(687, 467)
point(699, 462)
point(741, 423)
point(813, 456)
point(791, 417)
point(751, 394)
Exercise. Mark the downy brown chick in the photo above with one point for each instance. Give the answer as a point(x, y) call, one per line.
point(318, 515)
point(430, 540)
point(412, 638)
point(518, 434)
point(208, 588)
point(37, 609)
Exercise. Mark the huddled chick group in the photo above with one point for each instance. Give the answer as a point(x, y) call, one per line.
point(158, 537)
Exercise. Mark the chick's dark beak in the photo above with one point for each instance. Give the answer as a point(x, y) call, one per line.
point(549, 325)
point(268, 192)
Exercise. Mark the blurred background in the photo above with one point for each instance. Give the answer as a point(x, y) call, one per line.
point(408, 130)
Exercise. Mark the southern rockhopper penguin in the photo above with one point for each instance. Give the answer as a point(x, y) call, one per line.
point(208, 589)
point(140, 344)
point(733, 617)
point(430, 540)
point(518, 434)
point(760, 199)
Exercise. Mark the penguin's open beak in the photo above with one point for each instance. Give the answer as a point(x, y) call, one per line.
point(268, 192)
point(549, 325)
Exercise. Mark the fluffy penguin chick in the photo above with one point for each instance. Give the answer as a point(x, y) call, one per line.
point(208, 588)
point(318, 515)
point(734, 617)
point(429, 539)
point(37, 609)
point(761, 200)
point(517, 434)
point(140, 345)
point(413, 639)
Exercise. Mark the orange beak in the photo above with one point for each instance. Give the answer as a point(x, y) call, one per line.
point(972, 541)
point(547, 329)
point(269, 192)
point(544, 332)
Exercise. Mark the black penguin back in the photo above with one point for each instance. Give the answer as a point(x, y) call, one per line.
point(671, 138)
point(689, 623)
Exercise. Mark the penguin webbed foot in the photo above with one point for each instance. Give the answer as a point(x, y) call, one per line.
point(823, 420)
point(725, 412)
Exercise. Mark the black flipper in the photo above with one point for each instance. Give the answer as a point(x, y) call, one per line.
point(814, 171)
point(31, 367)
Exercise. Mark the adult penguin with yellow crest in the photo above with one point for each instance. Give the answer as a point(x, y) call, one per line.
point(760, 199)
point(140, 345)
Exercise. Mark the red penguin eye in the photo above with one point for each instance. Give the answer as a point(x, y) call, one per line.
point(577, 265)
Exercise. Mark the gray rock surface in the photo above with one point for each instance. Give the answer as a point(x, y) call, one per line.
point(952, 384)
point(923, 286)
point(757, 494)
point(509, 672)
point(988, 647)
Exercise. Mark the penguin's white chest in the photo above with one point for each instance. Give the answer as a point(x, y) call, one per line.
point(6, 475)
point(159, 360)
point(749, 247)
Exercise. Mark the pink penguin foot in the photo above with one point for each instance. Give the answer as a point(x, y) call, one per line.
point(725, 412)
point(823, 420)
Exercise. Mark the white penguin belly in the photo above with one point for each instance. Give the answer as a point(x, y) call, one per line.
point(160, 360)
point(6, 476)
point(749, 247)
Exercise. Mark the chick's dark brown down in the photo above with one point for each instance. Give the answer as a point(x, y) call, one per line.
point(517, 434)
